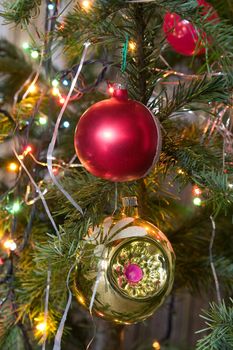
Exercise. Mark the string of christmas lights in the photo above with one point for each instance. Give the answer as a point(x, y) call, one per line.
point(42, 323)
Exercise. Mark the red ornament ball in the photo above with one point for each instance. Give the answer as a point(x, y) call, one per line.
point(118, 139)
point(182, 34)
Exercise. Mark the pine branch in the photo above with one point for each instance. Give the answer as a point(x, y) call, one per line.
point(13, 67)
point(20, 11)
point(172, 5)
point(219, 321)
point(94, 195)
point(220, 195)
point(189, 155)
point(13, 339)
point(97, 24)
point(224, 8)
point(220, 34)
point(198, 91)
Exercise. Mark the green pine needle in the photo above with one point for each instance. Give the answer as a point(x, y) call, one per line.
point(219, 321)
point(20, 11)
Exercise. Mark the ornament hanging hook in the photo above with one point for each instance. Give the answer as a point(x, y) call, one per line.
point(124, 54)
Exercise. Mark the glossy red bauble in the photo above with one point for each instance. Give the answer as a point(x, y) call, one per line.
point(118, 139)
point(182, 34)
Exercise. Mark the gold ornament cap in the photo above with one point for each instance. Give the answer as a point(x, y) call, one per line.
point(130, 201)
point(130, 206)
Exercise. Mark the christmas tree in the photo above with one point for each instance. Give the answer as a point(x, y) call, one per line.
point(157, 76)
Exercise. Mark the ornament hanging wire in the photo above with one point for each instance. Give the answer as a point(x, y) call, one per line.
point(55, 134)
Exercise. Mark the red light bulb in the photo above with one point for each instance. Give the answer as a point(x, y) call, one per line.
point(28, 149)
point(62, 100)
point(197, 191)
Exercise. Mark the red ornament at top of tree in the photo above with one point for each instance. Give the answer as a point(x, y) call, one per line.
point(118, 139)
point(182, 34)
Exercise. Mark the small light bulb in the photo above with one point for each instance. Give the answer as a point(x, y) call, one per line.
point(62, 100)
point(111, 90)
point(55, 83)
point(66, 124)
point(13, 167)
point(156, 345)
point(132, 46)
point(25, 46)
point(10, 244)
point(32, 89)
point(34, 54)
point(55, 91)
point(55, 170)
point(181, 172)
point(86, 4)
point(28, 149)
point(197, 201)
point(197, 191)
point(82, 300)
point(230, 186)
point(15, 207)
point(61, 26)
point(50, 7)
point(43, 120)
point(41, 327)
point(65, 82)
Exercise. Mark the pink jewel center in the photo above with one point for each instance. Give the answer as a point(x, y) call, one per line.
point(133, 273)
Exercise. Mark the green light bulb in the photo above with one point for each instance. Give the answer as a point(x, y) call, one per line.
point(197, 201)
point(55, 83)
point(43, 120)
point(15, 207)
point(34, 54)
point(25, 45)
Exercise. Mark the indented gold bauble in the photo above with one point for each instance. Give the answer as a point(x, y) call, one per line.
point(127, 268)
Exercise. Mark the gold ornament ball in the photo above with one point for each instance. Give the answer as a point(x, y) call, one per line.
point(126, 268)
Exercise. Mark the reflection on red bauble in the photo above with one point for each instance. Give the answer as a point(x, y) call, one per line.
point(118, 139)
point(182, 34)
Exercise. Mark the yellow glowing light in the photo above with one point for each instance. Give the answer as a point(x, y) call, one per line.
point(32, 89)
point(13, 167)
point(55, 91)
point(132, 46)
point(86, 4)
point(181, 172)
point(111, 90)
point(41, 327)
point(61, 26)
point(81, 300)
point(10, 244)
point(156, 345)
point(62, 100)
point(27, 150)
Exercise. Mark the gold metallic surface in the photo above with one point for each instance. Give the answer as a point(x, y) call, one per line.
point(146, 254)
point(117, 299)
